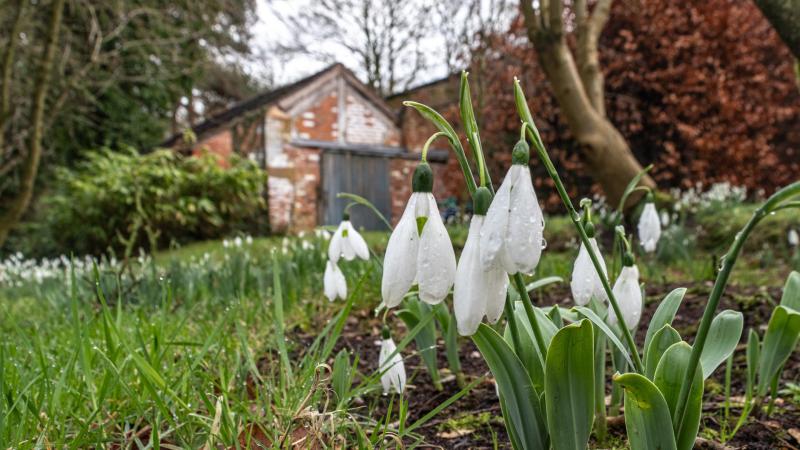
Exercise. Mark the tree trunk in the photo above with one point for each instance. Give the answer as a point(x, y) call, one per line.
point(30, 166)
point(784, 16)
point(578, 89)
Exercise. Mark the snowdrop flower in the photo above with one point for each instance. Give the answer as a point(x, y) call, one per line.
point(664, 218)
point(585, 282)
point(477, 292)
point(394, 371)
point(511, 236)
point(649, 226)
point(347, 242)
point(629, 297)
point(334, 283)
point(794, 239)
point(419, 249)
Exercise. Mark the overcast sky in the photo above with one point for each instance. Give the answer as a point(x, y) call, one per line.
point(269, 29)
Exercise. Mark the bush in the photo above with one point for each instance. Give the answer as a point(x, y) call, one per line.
point(121, 201)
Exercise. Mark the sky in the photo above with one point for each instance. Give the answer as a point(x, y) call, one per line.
point(269, 29)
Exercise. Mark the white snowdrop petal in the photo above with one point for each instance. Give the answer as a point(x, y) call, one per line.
point(341, 283)
point(794, 238)
point(348, 252)
point(649, 227)
point(581, 283)
point(329, 281)
point(335, 245)
point(357, 242)
point(629, 296)
point(436, 259)
point(525, 225)
point(495, 227)
point(400, 260)
point(469, 292)
point(585, 282)
point(394, 372)
point(496, 294)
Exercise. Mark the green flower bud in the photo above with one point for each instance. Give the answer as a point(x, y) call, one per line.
point(385, 332)
point(521, 153)
point(346, 216)
point(422, 180)
point(481, 200)
point(589, 228)
point(627, 259)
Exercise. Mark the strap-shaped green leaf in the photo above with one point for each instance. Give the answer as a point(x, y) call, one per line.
point(753, 348)
point(723, 335)
point(647, 417)
point(601, 324)
point(664, 315)
point(661, 341)
point(791, 292)
point(569, 386)
point(521, 410)
point(780, 340)
point(668, 378)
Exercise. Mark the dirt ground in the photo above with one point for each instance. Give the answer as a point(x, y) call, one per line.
point(475, 421)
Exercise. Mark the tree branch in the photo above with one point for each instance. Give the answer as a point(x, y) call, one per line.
point(8, 66)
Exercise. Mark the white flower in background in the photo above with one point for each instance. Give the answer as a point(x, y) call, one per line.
point(649, 227)
point(585, 282)
point(391, 365)
point(419, 249)
point(794, 239)
point(334, 283)
point(512, 235)
point(477, 293)
point(347, 242)
point(629, 297)
point(664, 218)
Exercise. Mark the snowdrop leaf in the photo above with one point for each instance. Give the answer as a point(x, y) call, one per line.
point(723, 335)
point(664, 315)
point(791, 292)
point(647, 417)
point(601, 324)
point(661, 341)
point(521, 407)
point(569, 386)
point(780, 340)
point(668, 378)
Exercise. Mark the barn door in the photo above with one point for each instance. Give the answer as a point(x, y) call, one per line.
point(367, 176)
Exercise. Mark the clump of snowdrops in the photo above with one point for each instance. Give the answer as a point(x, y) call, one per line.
point(550, 363)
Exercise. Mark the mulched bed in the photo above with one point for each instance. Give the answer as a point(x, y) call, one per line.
point(475, 421)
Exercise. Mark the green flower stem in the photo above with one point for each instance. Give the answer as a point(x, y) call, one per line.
point(428, 144)
point(774, 203)
point(519, 283)
point(533, 133)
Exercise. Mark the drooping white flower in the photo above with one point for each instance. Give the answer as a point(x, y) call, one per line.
point(392, 367)
point(649, 227)
point(477, 292)
point(334, 283)
point(664, 218)
point(585, 281)
point(348, 243)
point(425, 257)
point(794, 239)
point(512, 235)
point(629, 297)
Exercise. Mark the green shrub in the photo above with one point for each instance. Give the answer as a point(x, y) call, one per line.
point(122, 201)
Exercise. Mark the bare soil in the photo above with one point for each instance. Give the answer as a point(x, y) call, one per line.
point(475, 421)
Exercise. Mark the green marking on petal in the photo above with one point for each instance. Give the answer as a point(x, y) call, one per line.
point(344, 232)
point(421, 224)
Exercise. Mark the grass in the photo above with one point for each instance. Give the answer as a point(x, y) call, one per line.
point(200, 346)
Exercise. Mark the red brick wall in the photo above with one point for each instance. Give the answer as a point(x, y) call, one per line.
point(320, 122)
point(293, 191)
point(219, 144)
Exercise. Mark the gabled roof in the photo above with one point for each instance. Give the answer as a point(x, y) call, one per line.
point(260, 101)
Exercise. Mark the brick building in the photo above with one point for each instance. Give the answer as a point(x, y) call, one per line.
point(325, 134)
